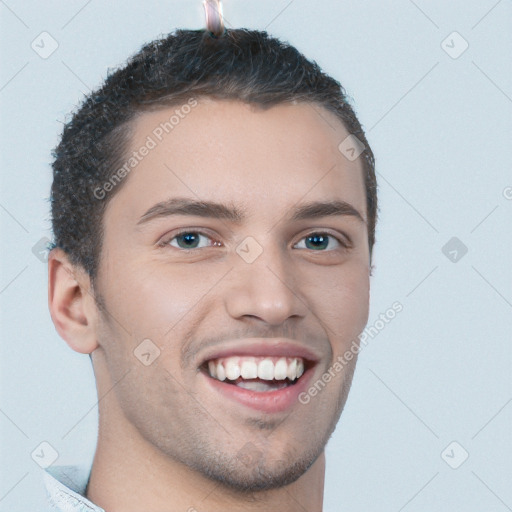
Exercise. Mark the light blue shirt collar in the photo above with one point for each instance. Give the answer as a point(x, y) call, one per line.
point(65, 488)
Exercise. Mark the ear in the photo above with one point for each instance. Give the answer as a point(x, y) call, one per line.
point(71, 303)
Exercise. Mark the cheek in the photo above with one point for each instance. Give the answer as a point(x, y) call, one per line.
point(344, 302)
point(156, 299)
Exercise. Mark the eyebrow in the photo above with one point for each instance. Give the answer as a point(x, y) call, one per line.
point(236, 215)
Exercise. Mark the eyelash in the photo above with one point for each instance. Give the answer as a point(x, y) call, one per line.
point(165, 242)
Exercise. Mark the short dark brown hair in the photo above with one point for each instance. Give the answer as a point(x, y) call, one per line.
point(247, 65)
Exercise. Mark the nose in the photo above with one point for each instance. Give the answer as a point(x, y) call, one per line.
point(268, 288)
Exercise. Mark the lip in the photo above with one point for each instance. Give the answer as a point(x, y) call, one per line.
point(260, 347)
point(264, 401)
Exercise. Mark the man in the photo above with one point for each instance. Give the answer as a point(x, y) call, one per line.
point(214, 209)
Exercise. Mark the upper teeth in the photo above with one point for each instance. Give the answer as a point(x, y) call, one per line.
point(266, 368)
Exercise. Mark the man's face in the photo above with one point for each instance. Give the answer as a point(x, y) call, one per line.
point(211, 291)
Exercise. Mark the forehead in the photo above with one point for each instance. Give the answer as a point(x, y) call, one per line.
point(229, 151)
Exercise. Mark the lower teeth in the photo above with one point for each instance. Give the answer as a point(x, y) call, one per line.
point(257, 385)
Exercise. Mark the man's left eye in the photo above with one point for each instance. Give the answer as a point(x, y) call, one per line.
point(316, 241)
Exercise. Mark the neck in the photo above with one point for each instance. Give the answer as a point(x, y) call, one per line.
point(132, 484)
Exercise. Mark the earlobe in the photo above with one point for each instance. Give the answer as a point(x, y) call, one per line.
point(70, 302)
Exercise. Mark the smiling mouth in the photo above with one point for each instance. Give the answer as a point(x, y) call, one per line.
point(259, 374)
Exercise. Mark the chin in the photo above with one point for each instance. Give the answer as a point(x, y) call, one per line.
point(246, 473)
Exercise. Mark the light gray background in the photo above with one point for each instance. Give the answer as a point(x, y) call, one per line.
point(441, 130)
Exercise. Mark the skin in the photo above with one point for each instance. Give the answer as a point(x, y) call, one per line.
point(167, 442)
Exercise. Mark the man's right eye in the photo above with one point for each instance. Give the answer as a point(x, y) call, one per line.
point(187, 240)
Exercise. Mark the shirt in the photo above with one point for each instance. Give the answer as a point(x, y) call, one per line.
point(65, 489)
